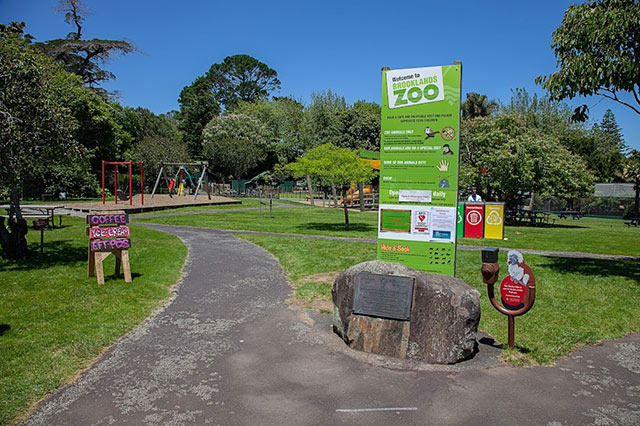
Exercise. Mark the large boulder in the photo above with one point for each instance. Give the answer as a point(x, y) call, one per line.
point(442, 328)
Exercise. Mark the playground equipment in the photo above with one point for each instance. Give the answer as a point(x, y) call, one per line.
point(175, 184)
point(369, 196)
point(115, 180)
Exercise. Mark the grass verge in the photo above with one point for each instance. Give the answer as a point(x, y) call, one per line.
point(588, 235)
point(578, 301)
point(55, 320)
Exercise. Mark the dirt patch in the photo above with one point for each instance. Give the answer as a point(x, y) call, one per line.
point(159, 200)
point(325, 277)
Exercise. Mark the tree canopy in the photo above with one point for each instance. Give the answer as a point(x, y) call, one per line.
point(596, 47)
point(507, 159)
point(336, 166)
point(235, 143)
point(198, 105)
point(242, 78)
point(631, 173)
point(84, 58)
point(477, 105)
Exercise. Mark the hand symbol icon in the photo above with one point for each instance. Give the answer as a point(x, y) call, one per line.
point(443, 166)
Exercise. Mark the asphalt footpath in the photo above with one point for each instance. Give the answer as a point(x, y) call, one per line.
point(229, 350)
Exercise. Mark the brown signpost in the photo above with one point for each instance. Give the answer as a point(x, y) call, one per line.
point(41, 224)
point(107, 234)
point(517, 290)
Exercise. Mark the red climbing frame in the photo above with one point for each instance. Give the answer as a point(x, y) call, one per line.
point(115, 184)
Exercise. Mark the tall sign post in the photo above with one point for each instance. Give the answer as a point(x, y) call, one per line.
point(419, 157)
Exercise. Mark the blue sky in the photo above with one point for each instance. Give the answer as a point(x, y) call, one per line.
point(315, 46)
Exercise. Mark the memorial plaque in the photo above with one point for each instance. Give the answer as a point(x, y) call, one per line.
point(385, 296)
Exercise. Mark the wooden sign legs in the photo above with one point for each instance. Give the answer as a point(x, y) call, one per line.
point(96, 268)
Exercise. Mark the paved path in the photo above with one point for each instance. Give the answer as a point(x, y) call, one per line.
point(228, 351)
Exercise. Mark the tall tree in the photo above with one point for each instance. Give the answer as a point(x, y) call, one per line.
point(198, 106)
point(609, 127)
point(631, 173)
point(324, 119)
point(36, 129)
point(477, 105)
point(242, 78)
point(16, 28)
point(84, 58)
point(597, 47)
point(361, 126)
point(283, 117)
point(335, 166)
point(505, 158)
point(234, 144)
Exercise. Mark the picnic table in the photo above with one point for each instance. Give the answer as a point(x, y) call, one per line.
point(634, 221)
point(528, 217)
point(573, 214)
point(39, 211)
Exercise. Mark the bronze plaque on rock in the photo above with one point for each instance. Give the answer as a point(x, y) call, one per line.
point(384, 296)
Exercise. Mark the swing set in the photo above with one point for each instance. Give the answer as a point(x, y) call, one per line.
point(115, 180)
point(176, 185)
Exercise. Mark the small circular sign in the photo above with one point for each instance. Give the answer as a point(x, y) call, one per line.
point(474, 218)
point(512, 293)
point(448, 133)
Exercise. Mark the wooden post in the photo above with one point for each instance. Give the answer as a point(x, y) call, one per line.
point(166, 181)
point(200, 183)
point(361, 191)
point(102, 181)
point(115, 182)
point(142, 183)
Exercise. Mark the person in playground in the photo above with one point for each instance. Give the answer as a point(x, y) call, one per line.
point(474, 197)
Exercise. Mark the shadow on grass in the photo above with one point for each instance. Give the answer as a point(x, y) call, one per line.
point(112, 276)
point(596, 267)
point(335, 227)
point(61, 252)
point(4, 328)
point(546, 226)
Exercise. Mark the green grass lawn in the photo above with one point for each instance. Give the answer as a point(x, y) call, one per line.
point(578, 301)
point(588, 235)
point(56, 320)
point(316, 221)
point(246, 203)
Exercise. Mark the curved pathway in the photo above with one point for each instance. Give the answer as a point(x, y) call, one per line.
point(228, 351)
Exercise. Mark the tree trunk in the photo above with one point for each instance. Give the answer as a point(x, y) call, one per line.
point(310, 190)
point(636, 206)
point(344, 205)
point(532, 201)
point(14, 240)
point(335, 196)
